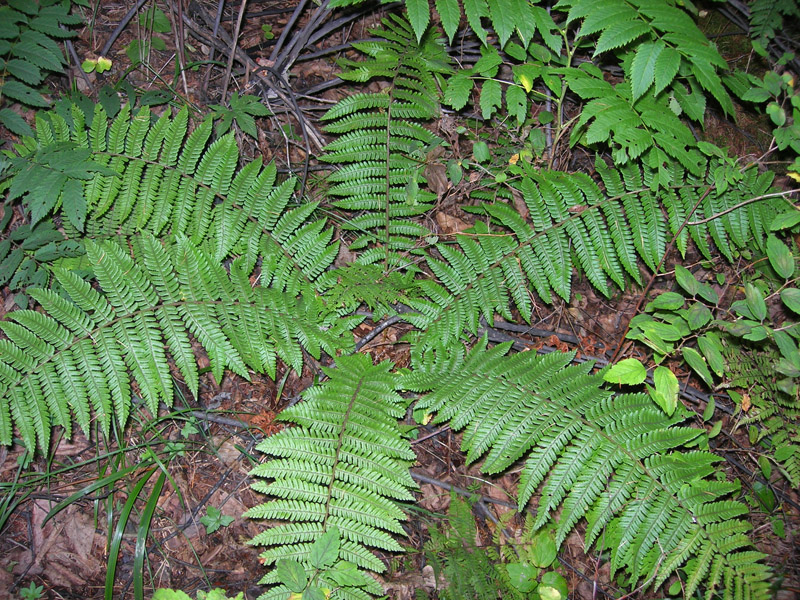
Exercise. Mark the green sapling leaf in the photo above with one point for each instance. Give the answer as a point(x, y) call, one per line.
point(629, 371)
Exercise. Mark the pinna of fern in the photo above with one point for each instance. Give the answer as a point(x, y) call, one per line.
point(382, 144)
point(78, 357)
point(138, 173)
point(345, 465)
point(615, 460)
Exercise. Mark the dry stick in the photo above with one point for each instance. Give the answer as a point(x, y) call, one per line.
point(289, 26)
point(658, 268)
point(74, 55)
point(232, 54)
point(258, 72)
point(211, 49)
point(122, 24)
point(177, 24)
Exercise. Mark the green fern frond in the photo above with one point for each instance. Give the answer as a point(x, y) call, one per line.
point(614, 460)
point(767, 17)
point(345, 465)
point(29, 52)
point(575, 224)
point(139, 174)
point(382, 145)
point(80, 355)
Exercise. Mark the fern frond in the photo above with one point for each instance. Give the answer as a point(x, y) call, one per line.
point(140, 174)
point(577, 224)
point(345, 465)
point(79, 357)
point(767, 17)
point(614, 460)
point(382, 145)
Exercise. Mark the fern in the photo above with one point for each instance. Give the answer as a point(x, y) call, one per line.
point(574, 224)
point(138, 174)
point(611, 459)
point(80, 356)
point(767, 17)
point(29, 52)
point(344, 466)
point(382, 145)
point(772, 404)
point(468, 569)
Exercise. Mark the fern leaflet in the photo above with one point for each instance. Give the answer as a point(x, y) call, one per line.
point(138, 174)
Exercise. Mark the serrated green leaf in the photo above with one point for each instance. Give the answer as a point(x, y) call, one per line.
point(791, 299)
point(686, 280)
point(475, 10)
point(419, 15)
point(667, 64)
point(698, 315)
point(666, 389)
point(755, 302)
point(629, 371)
point(325, 550)
point(491, 98)
point(620, 34)
point(459, 88)
point(711, 348)
point(517, 103)
point(292, 574)
point(24, 94)
point(14, 122)
point(503, 20)
point(73, 203)
point(643, 67)
point(785, 220)
point(666, 301)
point(25, 71)
point(450, 14)
point(345, 573)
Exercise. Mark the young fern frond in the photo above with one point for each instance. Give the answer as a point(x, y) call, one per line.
point(576, 224)
point(345, 466)
point(382, 145)
point(79, 357)
point(612, 459)
point(148, 175)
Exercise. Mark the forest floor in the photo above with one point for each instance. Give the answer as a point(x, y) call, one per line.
point(219, 429)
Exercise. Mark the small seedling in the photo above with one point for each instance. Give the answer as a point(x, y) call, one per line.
point(101, 64)
point(32, 592)
point(214, 519)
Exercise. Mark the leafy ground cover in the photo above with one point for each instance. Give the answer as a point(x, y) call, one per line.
point(160, 502)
